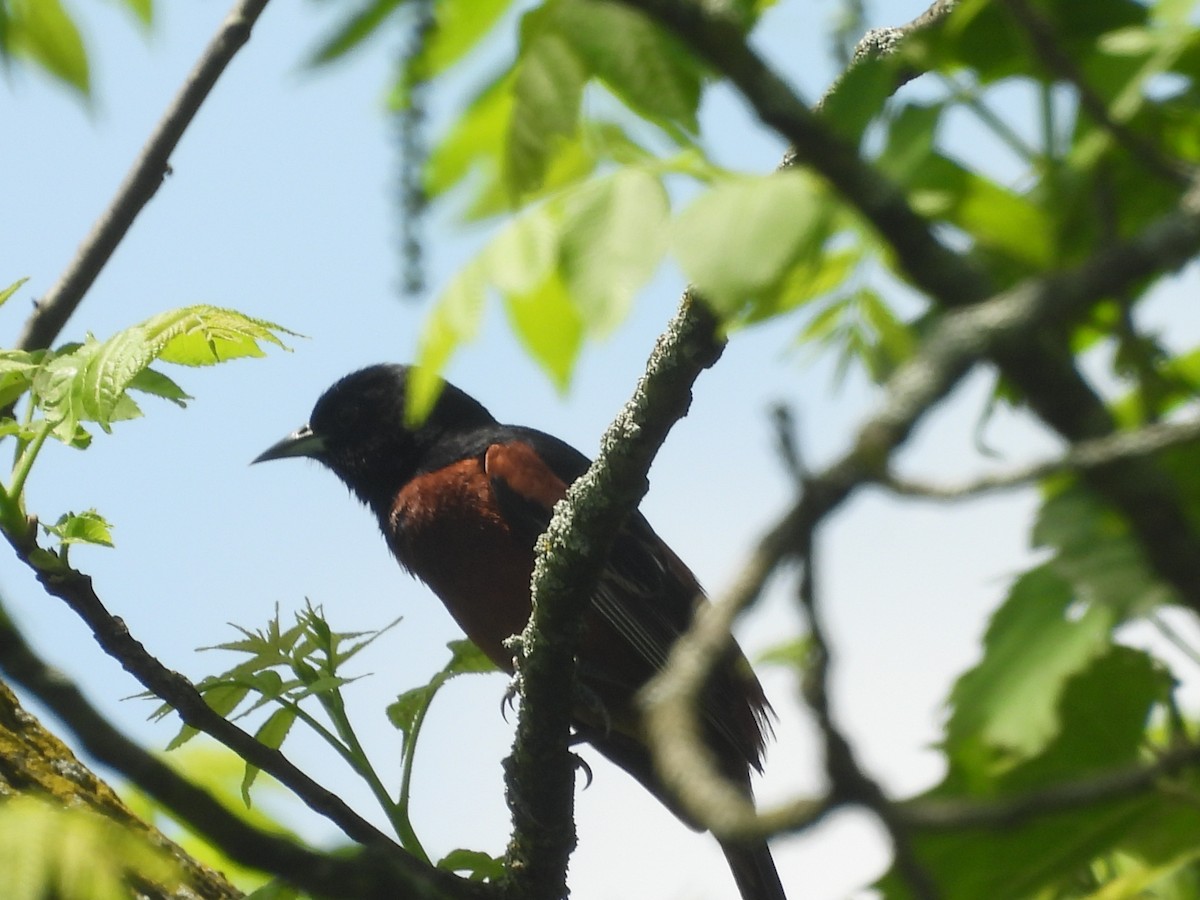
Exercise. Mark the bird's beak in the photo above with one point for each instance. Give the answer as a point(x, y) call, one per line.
point(301, 442)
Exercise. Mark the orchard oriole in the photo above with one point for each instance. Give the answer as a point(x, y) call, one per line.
point(461, 500)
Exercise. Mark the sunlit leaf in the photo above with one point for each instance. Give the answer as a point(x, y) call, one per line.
point(614, 236)
point(43, 31)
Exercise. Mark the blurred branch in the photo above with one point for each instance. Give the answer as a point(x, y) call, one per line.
point(952, 815)
point(958, 340)
point(1042, 367)
point(51, 312)
point(1082, 456)
point(1049, 51)
point(848, 782)
point(34, 762)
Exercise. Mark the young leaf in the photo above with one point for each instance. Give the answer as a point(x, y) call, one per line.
point(353, 30)
point(87, 527)
point(272, 733)
point(11, 289)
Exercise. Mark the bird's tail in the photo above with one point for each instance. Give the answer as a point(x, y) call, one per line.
point(754, 871)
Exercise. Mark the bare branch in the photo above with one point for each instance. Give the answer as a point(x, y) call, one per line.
point(1084, 455)
point(141, 183)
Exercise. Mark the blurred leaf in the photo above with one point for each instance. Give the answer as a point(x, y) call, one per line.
point(1096, 554)
point(17, 371)
point(49, 851)
point(859, 96)
point(11, 289)
point(1102, 729)
point(1006, 709)
point(475, 139)
point(453, 321)
point(546, 95)
point(43, 31)
point(548, 324)
point(460, 27)
point(142, 9)
point(737, 242)
point(353, 30)
point(614, 236)
point(478, 866)
point(997, 218)
point(643, 65)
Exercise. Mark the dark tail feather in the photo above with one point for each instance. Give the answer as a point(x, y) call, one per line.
point(754, 871)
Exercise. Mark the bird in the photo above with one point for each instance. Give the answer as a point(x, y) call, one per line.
point(462, 499)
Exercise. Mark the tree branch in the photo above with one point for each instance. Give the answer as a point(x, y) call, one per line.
point(958, 340)
point(51, 312)
point(540, 772)
point(236, 838)
point(110, 632)
point(1041, 368)
point(1085, 455)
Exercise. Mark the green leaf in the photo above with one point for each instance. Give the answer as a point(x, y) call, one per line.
point(460, 27)
point(1005, 709)
point(859, 96)
point(999, 219)
point(737, 242)
point(550, 327)
point(43, 31)
point(453, 321)
point(142, 9)
point(474, 141)
point(87, 527)
point(89, 382)
point(478, 866)
point(272, 733)
point(1102, 729)
point(17, 371)
point(643, 65)
point(1096, 554)
point(613, 239)
point(47, 850)
point(353, 30)
point(11, 289)
point(546, 97)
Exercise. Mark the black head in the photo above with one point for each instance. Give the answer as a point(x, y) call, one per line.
point(358, 430)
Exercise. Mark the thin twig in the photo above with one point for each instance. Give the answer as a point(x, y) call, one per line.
point(1084, 455)
point(140, 184)
point(849, 783)
point(953, 815)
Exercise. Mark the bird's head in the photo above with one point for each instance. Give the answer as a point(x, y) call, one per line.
point(358, 428)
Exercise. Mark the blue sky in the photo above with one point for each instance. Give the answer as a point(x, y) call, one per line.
point(280, 205)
